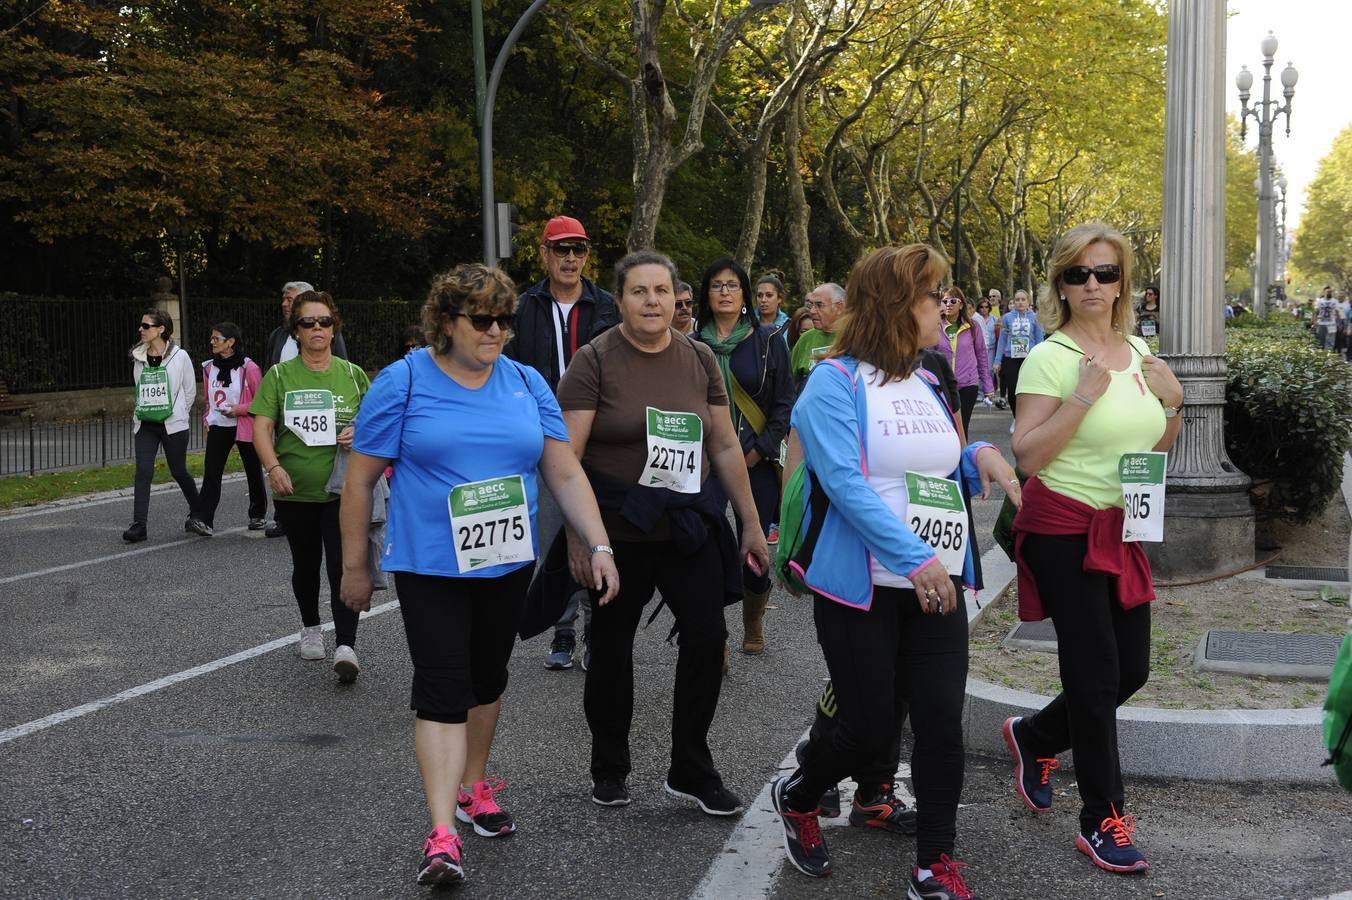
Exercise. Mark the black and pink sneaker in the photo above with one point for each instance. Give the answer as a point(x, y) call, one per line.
point(944, 881)
point(478, 808)
point(441, 863)
point(1109, 846)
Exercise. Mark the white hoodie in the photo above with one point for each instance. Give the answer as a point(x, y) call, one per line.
point(182, 384)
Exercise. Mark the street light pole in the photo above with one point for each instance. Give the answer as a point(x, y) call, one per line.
point(1265, 114)
point(486, 134)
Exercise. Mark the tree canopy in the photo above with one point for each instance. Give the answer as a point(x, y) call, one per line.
point(1323, 245)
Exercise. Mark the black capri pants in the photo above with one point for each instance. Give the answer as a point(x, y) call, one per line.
point(460, 636)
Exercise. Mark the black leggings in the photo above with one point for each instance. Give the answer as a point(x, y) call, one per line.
point(764, 479)
point(149, 438)
point(692, 587)
point(1009, 379)
point(882, 660)
point(1104, 654)
point(460, 636)
point(967, 396)
point(312, 532)
point(219, 441)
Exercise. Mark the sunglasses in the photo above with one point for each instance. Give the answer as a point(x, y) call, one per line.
point(1080, 274)
point(143, 326)
point(951, 301)
point(216, 339)
point(315, 322)
point(563, 250)
point(506, 321)
point(685, 304)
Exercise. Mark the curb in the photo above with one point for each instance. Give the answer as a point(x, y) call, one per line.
point(1280, 745)
point(51, 506)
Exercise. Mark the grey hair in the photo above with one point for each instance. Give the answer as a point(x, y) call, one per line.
point(997, 292)
point(1027, 296)
point(836, 291)
point(299, 287)
point(643, 258)
point(683, 287)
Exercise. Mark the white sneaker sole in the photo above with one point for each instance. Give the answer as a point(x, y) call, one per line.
point(666, 786)
point(465, 817)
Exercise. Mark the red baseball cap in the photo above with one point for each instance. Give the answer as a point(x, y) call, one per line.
point(563, 227)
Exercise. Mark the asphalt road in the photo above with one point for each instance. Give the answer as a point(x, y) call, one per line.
point(265, 778)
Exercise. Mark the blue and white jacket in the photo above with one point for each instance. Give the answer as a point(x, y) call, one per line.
point(858, 525)
point(1025, 324)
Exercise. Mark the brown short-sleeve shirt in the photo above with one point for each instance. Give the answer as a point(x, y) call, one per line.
point(619, 381)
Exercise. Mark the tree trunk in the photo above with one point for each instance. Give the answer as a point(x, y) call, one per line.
point(799, 211)
point(650, 188)
point(754, 211)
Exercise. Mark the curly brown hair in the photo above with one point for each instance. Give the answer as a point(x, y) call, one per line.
point(470, 288)
point(877, 326)
point(313, 297)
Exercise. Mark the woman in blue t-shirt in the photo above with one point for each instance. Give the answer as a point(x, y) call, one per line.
point(466, 431)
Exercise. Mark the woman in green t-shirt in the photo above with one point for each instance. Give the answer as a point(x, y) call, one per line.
point(315, 397)
point(1087, 395)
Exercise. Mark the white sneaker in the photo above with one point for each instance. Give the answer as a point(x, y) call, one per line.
point(1011, 427)
point(345, 663)
point(312, 643)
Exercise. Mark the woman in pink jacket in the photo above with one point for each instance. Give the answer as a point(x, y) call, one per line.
point(964, 347)
point(229, 380)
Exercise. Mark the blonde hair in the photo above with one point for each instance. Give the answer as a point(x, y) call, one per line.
point(468, 288)
point(877, 326)
point(1054, 312)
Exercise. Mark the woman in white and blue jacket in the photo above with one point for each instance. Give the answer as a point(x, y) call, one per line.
point(886, 606)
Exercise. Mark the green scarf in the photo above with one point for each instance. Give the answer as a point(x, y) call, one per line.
point(723, 353)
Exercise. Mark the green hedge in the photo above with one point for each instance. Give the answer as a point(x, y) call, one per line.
point(1288, 415)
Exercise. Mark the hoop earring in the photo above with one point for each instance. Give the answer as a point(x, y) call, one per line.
point(1063, 298)
point(743, 310)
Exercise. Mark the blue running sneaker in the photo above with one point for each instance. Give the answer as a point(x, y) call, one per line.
point(944, 882)
point(1110, 847)
point(803, 840)
point(1032, 774)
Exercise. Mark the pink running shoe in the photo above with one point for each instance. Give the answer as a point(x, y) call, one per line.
point(441, 863)
point(478, 808)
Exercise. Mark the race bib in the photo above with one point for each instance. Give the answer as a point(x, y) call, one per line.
point(490, 523)
point(675, 451)
point(153, 403)
point(1018, 347)
point(938, 515)
point(1149, 328)
point(1142, 476)
point(310, 416)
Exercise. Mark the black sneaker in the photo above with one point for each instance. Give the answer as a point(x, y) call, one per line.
point(608, 792)
point(1110, 846)
point(561, 652)
point(195, 525)
point(885, 811)
point(258, 524)
point(716, 800)
point(829, 805)
point(803, 840)
point(1032, 774)
point(944, 882)
point(135, 533)
point(276, 529)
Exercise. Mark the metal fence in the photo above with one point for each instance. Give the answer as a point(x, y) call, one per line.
point(34, 446)
point(59, 344)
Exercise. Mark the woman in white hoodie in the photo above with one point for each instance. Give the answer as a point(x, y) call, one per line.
point(165, 389)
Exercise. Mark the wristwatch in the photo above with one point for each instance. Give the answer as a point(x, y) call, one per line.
point(1171, 411)
point(602, 548)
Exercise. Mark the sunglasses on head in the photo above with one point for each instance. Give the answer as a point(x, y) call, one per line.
point(506, 321)
point(1080, 274)
point(315, 322)
point(564, 248)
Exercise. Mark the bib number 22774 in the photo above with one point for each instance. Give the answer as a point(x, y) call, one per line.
point(490, 523)
point(675, 451)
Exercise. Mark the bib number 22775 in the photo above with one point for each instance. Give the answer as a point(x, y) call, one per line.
point(675, 451)
point(1142, 476)
point(490, 523)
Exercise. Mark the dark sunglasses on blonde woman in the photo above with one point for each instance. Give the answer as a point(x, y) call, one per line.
point(1080, 274)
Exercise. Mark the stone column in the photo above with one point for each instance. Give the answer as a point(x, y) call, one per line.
point(1208, 516)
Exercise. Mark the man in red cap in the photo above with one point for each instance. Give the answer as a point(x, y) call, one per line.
point(554, 317)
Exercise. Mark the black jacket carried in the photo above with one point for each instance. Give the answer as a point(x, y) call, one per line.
point(534, 342)
point(273, 349)
point(761, 365)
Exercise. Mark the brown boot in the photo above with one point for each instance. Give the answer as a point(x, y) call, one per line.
point(753, 619)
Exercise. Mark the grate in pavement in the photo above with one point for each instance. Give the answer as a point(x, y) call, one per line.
point(1307, 573)
point(1033, 636)
point(1305, 656)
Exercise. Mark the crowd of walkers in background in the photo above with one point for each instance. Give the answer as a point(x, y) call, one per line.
point(555, 460)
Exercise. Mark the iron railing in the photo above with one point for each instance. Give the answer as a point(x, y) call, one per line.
point(59, 344)
point(33, 446)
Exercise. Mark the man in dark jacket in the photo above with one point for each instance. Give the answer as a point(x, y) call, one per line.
point(555, 317)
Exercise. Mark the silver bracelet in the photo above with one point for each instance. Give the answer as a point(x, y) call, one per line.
point(1083, 399)
point(602, 548)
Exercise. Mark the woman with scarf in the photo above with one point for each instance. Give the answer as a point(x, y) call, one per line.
point(165, 390)
point(963, 345)
point(754, 361)
point(229, 381)
point(646, 413)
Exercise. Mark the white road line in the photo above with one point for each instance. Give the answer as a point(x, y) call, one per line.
point(10, 579)
point(66, 715)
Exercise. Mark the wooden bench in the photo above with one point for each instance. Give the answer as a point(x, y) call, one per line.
point(7, 403)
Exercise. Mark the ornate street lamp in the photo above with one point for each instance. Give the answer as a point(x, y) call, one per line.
point(1265, 113)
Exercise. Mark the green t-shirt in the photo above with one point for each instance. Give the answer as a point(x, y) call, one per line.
point(309, 466)
point(1126, 419)
point(812, 345)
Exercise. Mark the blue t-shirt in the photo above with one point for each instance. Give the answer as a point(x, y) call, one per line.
point(451, 435)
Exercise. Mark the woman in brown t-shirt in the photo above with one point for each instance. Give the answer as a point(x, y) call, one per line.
point(646, 413)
